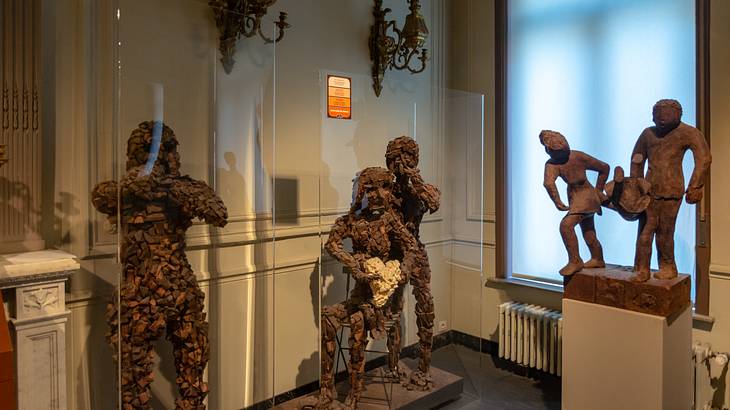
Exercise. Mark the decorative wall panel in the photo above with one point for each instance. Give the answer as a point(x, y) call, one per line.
point(20, 178)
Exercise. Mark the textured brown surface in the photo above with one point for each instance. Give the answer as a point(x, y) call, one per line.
point(375, 230)
point(612, 286)
point(159, 294)
point(413, 199)
point(584, 200)
point(663, 146)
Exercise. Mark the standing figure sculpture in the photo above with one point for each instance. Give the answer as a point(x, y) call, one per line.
point(159, 293)
point(664, 146)
point(584, 200)
point(378, 236)
point(413, 199)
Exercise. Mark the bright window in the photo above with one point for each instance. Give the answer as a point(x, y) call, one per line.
point(592, 70)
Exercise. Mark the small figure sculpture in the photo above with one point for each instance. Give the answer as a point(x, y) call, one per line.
point(159, 293)
point(414, 198)
point(377, 235)
point(664, 146)
point(584, 200)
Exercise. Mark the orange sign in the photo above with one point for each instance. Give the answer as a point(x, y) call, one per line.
point(339, 97)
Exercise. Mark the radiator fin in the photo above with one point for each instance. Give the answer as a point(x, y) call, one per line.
point(531, 336)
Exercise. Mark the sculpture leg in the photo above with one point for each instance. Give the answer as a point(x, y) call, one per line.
point(420, 379)
point(188, 333)
point(665, 238)
point(332, 318)
point(136, 355)
point(570, 240)
point(358, 339)
point(588, 228)
point(394, 333)
point(645, 237)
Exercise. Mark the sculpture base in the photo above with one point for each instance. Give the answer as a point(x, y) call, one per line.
point(610, 286)
point(619, 359)
point(448, 387)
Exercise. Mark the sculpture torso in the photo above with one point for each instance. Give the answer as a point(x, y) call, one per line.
point(582, 196)
point(665, 155)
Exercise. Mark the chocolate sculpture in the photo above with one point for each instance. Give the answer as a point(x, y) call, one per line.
point(158, 293)
point(381, 247)
point(664, 146)
point(413, 198)
point(584, 200)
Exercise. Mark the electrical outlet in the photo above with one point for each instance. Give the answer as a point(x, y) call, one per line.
point(442, 325)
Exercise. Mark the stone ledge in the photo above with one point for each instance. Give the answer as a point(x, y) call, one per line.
point(610, 286)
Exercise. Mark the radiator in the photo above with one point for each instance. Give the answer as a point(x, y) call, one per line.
point(531, 336)
point(711, 389)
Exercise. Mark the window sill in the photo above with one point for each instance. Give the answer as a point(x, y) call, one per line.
point(555, 288)
point(550, 287)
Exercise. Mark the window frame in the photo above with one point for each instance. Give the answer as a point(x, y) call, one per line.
point(503, 180)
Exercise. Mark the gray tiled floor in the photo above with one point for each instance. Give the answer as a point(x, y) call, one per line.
point(486, 386)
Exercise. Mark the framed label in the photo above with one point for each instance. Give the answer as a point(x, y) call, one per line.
point(339, 97)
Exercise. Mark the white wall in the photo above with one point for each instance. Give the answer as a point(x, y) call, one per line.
point(259, 127)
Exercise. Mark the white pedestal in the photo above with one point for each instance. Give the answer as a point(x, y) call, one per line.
point(36, 281)
point(619, 359)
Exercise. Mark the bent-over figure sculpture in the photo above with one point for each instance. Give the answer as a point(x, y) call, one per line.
point(378, 238)
point(413, 198)
point(584, 200)
point(664, 146)
point(158, 293)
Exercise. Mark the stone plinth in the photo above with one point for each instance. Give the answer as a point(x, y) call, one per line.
point(610, 286)
point(620, 359)
point(35, 284)
point(7, 368)
point(447, 387)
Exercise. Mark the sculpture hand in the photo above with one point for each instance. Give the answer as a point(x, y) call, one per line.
point(602, 197)
point(694, 195)
point(561, 206)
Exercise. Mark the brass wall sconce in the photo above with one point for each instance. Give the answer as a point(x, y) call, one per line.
point(236, 18)
point(388, 52)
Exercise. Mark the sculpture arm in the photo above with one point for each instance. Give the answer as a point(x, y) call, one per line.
point(197, 199)
point(639, 156)
point(429, 194)
point(335, 248)
point(551, 175)
point(595, 164)
point(105, 198)
point(703, 159)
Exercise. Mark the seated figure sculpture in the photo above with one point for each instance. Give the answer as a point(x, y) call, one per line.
point(584, 200)
point(664, 146)
point(377, 235)
point(159, 293)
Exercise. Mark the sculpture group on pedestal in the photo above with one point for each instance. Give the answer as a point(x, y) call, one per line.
point(159, 293)
point(653, 198)
point(383, 225)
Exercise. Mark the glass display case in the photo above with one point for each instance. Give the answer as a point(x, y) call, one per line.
point(195, 175)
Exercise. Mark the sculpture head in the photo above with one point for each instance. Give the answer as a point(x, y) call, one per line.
point(555, 145)
point(667, 115)
point(374, 191)
point(402, 152)
point(153, 143)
